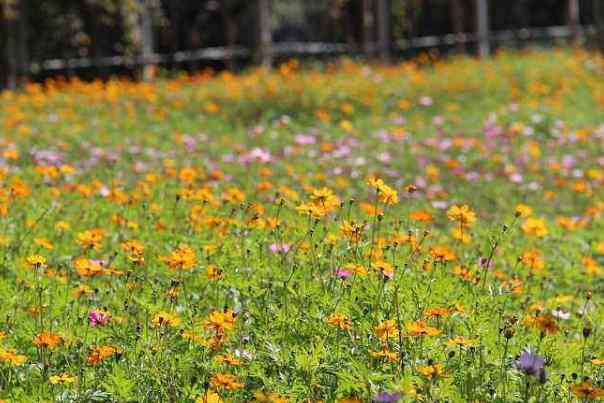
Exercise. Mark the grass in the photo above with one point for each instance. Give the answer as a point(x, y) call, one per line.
point(426, 231)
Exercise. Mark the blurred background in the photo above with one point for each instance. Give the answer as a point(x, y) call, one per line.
point(138, 38)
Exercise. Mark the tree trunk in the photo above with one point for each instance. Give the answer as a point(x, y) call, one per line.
point(10, 14)
point(383, 23)
point(598, 7)
point(231, 31)
point(23, 68)
point(349, 27)
point(482, 27)
point(456, 11)
point(264, 52)
point(573, 20)
point(368, 21)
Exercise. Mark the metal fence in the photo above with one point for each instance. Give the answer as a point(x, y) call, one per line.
point(300, 49)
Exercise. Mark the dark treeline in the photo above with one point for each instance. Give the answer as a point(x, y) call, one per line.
point(38, 30)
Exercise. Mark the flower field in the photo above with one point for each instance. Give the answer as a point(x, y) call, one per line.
point(429, 231)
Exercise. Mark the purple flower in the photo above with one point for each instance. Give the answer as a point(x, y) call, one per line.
point(98, 318)
point(388, 397)
point(190, 143)
point(531, 364)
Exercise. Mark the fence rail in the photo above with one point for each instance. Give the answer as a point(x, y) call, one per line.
point(307, 48)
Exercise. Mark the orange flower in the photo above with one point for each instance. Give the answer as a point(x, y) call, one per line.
point(461, 341)
point(47, 339)
point(227, 359)
point(99, 354)
point(545, 323)
point(390, 356)
point(587, 390)
point(421, 215)
point(437, 312)
point(340, 321)
point(591, 265)
point(182, 258)
point(442, 253)
point(225, 381)
point(420, 328)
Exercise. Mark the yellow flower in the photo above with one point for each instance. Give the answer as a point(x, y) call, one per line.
point(12, 357)
point(431, 371)
point(535, 227)
point(522, 210)
point(62, 379)
point(352, 230)
point(35, 261)
point(91, 239)
point(386, 329)
point(220, 322)
point(385, 268)
point(209, 397)
point(165, 319)
point(385, 193)
point(462, 214)
point(461, 341)
point(356, 268)
point(265, 397)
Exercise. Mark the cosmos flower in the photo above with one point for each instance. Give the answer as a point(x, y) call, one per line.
point(98, 318)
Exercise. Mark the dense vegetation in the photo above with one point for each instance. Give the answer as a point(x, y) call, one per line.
point(426, 231)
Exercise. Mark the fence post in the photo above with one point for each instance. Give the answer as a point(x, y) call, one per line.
point(456, 13)
point(482, 27)
point(573, 19)
point(367, 14)
point(264, 51)
point(383, 23)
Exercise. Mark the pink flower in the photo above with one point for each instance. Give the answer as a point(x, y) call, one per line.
point(343, 273)
point(98, 318)
point(279, 248)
